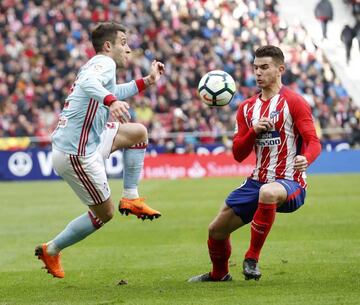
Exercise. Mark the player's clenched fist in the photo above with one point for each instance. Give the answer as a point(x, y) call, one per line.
point(264, 124)
point(156, 70)
point(300, 163)
point(119, 111)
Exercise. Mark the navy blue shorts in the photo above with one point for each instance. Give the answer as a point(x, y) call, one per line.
point(244, 200)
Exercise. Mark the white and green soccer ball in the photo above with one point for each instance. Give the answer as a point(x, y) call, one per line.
point(216, 88)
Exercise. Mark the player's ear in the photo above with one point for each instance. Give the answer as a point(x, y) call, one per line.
point(281, 68)
point(107, 46)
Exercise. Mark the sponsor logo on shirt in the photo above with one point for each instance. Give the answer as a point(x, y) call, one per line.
point(268, 139)
point(62, 122)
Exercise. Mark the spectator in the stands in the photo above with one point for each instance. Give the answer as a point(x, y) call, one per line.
point(324, 13)
point(347, 36)
point(43, 44)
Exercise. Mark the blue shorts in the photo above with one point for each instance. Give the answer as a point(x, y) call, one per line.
point(244, 200)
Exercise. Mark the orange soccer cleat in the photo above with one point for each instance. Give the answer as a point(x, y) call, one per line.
point(52, 262)
point(137, 207)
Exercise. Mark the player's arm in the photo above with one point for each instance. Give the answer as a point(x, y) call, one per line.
point(123, 91)
point(92, 82)
point(304, 123)
point(244, 137)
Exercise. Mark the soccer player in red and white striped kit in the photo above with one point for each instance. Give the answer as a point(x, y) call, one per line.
point(278, 123)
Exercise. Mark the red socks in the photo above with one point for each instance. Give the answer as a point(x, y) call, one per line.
point(219, 251)
point(260, 228)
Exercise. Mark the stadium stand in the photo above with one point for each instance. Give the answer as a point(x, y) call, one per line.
point(43, 43)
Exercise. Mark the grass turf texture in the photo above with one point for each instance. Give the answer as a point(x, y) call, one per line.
point(311, 256)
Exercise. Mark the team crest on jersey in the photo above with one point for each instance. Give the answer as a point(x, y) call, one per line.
point(274, 116)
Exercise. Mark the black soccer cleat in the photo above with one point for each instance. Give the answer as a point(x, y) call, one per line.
point(251, 269)
point(207, 278)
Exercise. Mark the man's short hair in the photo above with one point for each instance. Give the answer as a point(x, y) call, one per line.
point(271, 51)
point(105, 31)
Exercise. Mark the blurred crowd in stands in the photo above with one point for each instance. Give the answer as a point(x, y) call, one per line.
point(43, 44)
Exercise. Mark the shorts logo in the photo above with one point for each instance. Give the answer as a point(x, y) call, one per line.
point(110, 125)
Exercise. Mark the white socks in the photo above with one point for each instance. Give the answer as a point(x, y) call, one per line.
point(130, 193)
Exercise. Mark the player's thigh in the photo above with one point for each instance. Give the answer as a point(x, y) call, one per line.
point(224, 223)
point(85, 175)
point(244, 199)
point(272, 192)
point(295, 196)
point(128, 135)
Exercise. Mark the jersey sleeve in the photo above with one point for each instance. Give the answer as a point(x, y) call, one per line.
point(244, 137)
point(93, 79)
point(303, 121)
point(124, 91)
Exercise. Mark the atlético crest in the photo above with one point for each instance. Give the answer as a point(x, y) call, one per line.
point(274, 116)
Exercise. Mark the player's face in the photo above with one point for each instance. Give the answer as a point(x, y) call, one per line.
point(120, 50)
point(267, 72)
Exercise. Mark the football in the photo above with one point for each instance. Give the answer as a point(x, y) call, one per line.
point(216, 88)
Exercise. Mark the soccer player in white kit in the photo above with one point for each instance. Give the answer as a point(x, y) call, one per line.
point(84, 137)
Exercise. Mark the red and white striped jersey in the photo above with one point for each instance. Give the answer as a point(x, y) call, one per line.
point(293, 134)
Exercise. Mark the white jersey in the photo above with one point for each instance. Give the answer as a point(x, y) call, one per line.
point(84, 115)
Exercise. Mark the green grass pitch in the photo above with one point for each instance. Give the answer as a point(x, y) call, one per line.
point(311, 257)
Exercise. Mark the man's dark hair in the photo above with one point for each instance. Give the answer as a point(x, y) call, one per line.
point(105, 31)
point(271, 51)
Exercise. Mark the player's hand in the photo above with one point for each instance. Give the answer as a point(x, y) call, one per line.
point(263, 125)
point(300, 163)
point(119, 111)
point(157, 69)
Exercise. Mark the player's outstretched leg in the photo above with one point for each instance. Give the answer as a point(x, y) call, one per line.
point(251, 269)
point(74, 232)
point(137, 207)
point(52, 262)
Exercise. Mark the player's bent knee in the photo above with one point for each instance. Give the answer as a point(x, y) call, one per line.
point(216, 233)
point(212, 230)
point(269, 193)
point(105, 214)
point(141, 132)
